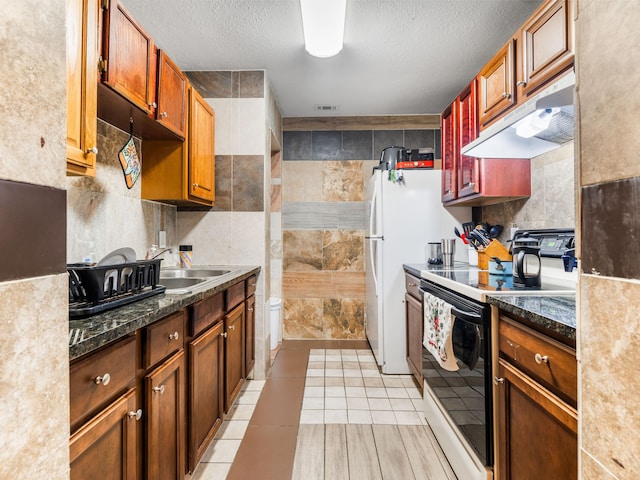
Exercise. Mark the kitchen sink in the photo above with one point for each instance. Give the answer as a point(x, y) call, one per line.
point(192, 273)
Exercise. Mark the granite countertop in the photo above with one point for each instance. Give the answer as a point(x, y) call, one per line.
point(91, 333)
point(555, 314)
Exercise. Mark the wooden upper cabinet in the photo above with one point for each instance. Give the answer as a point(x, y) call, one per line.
point(496, 84)
point(547, 47)
point(201, 148)
point(171, 95)
point(468, 181)
point(82, 78)
point(449, 153)
point(128, 60)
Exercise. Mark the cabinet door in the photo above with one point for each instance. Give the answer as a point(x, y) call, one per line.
point(496, 84)
point(249, 335)
point(205, 391)
point(449, 153)
point(105, 447)
point(165, 446)
point(547, 45)
point(234, 354)
point(415, 332)
point(467, 123)
point(82, 92)
point(171, 95)
point(537, 432)
point(201, 148)
point(128, 57)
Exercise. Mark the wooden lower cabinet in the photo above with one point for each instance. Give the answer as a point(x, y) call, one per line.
point(165, 425)
point(234, 354)
point(537, 431)
point(206, 374)
point(415, 328)
point(106, 446)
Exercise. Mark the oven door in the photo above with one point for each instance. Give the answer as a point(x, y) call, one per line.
point(465, 395)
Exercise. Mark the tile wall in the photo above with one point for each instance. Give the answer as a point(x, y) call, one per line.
point(608, 182)
point(34, 357)
point(323, 223)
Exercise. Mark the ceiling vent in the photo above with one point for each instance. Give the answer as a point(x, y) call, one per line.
point(325, 108)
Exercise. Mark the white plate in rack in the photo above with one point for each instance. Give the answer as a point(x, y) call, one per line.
point(121, 255)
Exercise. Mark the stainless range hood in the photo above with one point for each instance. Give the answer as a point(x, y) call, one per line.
point(542, 124)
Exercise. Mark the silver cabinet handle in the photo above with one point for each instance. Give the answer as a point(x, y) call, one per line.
point(498, 380)
point(223, 334)
point(137, 414)
point(232, 327)
point(506, 95)
point(102, 380)
point(93, 150)
point(541, 358)
point(159, 389)
point(521, 83)
point(174, 336)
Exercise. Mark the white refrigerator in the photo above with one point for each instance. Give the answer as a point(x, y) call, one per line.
point(401, 218)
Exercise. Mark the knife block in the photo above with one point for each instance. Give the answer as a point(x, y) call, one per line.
point(494, 249)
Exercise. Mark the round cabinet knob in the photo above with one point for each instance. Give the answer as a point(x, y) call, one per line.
point(159, 389)
point(541, 358)
point(93, 150)
point(137, 414)
point(174, 336)
point(102, 380)
point(498, 380)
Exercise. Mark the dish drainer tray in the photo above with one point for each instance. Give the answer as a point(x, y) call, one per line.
point(94, 289)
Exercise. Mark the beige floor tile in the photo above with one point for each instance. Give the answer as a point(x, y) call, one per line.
point(383, 417)
point(373, 382)
point(313, 392)
point(402, 404)
point(314, 382)
point(357, 404)
point(232, 430)
point(312, 416)
point(408, 418)
point(313, 403)
point(211, 471)
point(334, 382)
point(221, 451)
point(335, 403)
point(376, 392)
point(334, 392)
point(356, 391)
point(359, 416)
point(353, 382)
point(397, 392)
point(335, 416)
point(379, 404)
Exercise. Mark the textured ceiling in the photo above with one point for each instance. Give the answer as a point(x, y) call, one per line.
point(399, 56)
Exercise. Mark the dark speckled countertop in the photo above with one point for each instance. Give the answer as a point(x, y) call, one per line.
point(91, 333)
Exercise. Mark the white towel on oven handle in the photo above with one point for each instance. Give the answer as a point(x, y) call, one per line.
point(438, 326)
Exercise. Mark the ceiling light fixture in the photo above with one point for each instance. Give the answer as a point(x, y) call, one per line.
point(323, 25)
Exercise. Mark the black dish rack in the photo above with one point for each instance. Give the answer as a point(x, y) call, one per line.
point(94, 289)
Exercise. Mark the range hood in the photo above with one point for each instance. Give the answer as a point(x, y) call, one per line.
point(551, 111)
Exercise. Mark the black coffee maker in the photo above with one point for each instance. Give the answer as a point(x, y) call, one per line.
point(527, 267)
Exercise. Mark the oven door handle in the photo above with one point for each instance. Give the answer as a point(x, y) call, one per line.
point(466, 316)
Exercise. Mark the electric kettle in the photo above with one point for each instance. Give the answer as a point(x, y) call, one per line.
point(527, 267)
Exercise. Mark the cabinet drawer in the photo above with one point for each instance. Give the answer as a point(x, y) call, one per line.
point(206, 312)
point(235, 295)
point(251, 285)
point(412, 286)
point(545, 360)
point(163, 337)
point(99, 377)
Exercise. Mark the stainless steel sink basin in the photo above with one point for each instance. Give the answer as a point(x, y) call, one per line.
point(180, 283)
point(194, 273)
